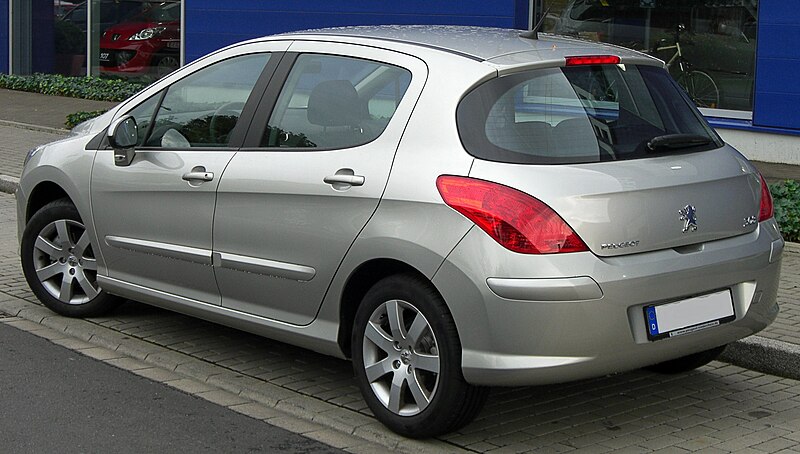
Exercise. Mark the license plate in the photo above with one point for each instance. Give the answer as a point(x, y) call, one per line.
point(105, 56)
point(689, 315)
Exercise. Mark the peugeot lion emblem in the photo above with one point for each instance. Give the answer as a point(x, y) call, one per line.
point(689, 216)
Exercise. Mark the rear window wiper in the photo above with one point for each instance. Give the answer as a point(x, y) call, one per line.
point(677, 141)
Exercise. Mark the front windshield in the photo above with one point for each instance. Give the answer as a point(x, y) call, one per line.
point(578, 114)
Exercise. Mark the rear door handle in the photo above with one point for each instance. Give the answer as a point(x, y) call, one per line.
point(350, 180)
point(198, 176)
point(344, 179)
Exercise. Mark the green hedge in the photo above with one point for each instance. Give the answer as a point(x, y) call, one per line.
point(74, 119)
point(95, 88)
point(786, 197)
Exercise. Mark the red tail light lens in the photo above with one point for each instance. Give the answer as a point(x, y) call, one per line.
point(766, 210)
point(516, 220)
point(593, 60)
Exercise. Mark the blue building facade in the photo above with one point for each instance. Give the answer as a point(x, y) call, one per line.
point(4, 38)
point(211, 24)
point(757, 101)
point(777, 89)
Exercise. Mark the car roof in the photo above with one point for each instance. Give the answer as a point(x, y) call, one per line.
point(500, 46)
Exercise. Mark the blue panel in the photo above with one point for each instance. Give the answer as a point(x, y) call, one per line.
point(4, 33)
point(777, 12)
point(777, 110)
point(773, 40)
point(777, 94)
point(211, 24)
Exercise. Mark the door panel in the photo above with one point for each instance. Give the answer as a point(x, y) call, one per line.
point(287, 214)
point(154, 217)
point(154, 228)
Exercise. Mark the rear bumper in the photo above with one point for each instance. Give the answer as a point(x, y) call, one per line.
point(526, 320)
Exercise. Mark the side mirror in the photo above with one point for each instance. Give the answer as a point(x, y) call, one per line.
point(123, 135)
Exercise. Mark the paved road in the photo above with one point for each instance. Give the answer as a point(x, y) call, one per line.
point(55, 400)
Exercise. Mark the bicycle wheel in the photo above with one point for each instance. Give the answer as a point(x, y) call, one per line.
point(701, 88)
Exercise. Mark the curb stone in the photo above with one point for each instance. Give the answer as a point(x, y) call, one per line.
point(765, 355)
point(307, 412)
point(31, 127)
point(8, 184)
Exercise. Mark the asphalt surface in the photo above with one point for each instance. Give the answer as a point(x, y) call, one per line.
point(55, 400)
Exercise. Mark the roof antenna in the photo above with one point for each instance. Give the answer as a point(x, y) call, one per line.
point(534, 33)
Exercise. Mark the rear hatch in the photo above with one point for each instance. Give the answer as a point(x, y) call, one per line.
point(618, 151)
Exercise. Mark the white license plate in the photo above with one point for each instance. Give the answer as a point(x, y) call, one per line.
point(689, 315)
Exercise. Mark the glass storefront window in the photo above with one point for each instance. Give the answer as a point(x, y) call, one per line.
point(709, 45)
point(129, 38)
point(69, 30)
point(136, 38)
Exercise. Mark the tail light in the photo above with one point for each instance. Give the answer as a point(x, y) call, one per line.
point(766, 210)
point(516, 220)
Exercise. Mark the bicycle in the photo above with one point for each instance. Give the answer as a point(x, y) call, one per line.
point(699, 85)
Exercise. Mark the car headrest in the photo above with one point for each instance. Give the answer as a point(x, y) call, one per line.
point(335, 103)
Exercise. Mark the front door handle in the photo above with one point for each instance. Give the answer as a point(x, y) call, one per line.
point(198, 173)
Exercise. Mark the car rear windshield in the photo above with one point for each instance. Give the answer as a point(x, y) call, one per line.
point(581, 114)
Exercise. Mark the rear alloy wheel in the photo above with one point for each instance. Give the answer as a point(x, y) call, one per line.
point(59, 263)
point(407, 360)
point(687, 363)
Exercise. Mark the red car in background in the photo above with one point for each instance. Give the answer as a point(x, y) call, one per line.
point(146, 44)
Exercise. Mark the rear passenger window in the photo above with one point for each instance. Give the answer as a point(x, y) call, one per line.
point(335, 102)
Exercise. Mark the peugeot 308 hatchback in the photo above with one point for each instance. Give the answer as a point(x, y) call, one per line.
point(450, 208)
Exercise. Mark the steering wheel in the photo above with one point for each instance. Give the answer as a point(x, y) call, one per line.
point(220, 118)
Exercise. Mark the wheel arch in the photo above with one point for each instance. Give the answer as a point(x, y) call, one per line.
point(42, 194)
point(357, 285)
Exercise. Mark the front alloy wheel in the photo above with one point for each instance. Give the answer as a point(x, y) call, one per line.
point(64, 262)
point(407, 359)
point(59, 262)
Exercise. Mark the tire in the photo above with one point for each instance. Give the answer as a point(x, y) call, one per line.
point(59, 263)
point(687, 363)
point(166, 64)
point(701, 89)
point(410, 376)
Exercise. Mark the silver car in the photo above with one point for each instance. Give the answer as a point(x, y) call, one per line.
point(450, 208)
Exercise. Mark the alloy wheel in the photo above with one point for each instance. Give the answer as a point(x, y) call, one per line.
point(64, 262)
point(401, 358)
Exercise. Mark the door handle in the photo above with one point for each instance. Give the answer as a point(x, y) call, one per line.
point(198, 176)
point(350, 180)
point(343, 179)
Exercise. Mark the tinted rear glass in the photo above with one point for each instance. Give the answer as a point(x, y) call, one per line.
point(578, 114)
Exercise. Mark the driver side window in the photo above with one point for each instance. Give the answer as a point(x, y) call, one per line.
point(202, 109)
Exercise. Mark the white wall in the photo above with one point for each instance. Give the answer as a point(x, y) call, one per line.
point(760, 146)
